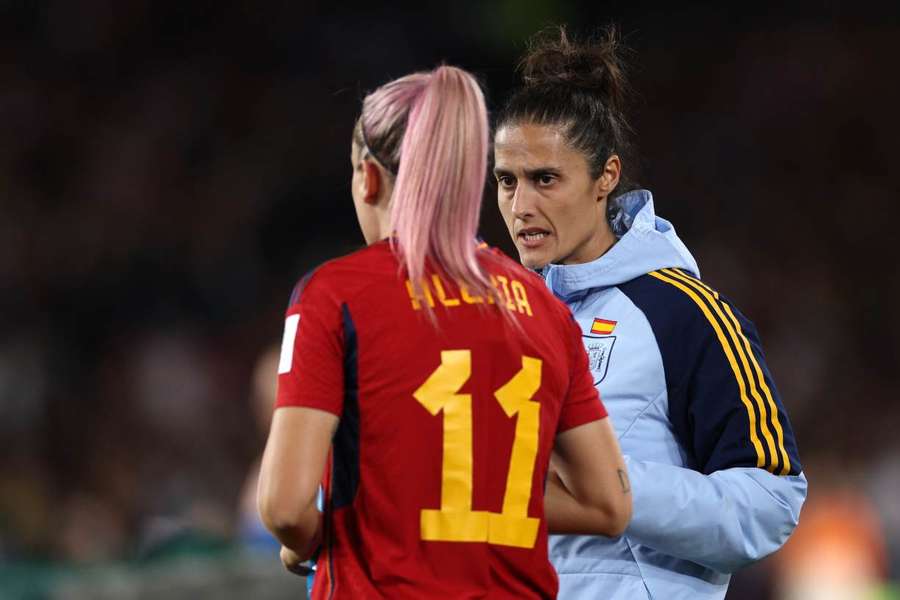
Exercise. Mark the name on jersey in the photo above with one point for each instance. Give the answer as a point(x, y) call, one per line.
point(435, 292)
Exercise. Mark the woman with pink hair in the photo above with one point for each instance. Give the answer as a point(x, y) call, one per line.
point(423, 383)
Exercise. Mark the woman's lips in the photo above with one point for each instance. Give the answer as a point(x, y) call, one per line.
point(533, 238)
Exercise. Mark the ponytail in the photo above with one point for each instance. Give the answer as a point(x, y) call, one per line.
point(581, 86)
point(437, 196)
point(431, 129)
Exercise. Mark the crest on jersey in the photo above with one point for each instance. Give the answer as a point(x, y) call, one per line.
point(599, 349)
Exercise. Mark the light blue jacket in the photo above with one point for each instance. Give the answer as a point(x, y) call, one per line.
point(714, 470)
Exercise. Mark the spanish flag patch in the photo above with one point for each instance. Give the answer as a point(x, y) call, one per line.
point(603, 327)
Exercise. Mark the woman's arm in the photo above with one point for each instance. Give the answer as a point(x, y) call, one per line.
point(724, 521)
point(289, 477)
point(739, 495)
point(587, 486)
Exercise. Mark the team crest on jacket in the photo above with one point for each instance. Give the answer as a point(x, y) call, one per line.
point(599, 348)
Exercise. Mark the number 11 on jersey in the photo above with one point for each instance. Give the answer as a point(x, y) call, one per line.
point(455, 521)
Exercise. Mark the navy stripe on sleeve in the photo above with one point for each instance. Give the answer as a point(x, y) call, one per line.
point(345, 474)
point(723, 404)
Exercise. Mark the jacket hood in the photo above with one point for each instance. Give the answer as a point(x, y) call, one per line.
point(646, 243)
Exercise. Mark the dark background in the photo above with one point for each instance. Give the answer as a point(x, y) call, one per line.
point(168, 169)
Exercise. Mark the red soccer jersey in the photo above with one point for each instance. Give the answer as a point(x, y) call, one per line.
point(435, 483)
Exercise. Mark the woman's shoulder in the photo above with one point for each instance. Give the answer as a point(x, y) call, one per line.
point(677, 302)
point(346, 272)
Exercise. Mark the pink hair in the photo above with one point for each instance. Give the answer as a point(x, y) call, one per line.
point(431, 129)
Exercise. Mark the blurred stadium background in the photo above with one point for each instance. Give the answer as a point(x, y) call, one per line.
point(169, 168)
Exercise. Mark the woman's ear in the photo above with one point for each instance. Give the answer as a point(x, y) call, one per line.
point(371, 182)
point(609, 178)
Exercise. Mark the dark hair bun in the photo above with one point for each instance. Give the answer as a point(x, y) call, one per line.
point(595, 65)
point(581, 89)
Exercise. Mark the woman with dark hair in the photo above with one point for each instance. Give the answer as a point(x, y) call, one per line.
point(425, 377)
point(716, 479)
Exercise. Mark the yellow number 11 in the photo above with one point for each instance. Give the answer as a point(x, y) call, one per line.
point(455, 521)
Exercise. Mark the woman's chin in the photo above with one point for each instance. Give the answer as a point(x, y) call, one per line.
point(532, 259)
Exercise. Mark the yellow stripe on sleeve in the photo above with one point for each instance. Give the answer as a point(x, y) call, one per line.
point(754, 439)
point(764, 425)
point(773, 408)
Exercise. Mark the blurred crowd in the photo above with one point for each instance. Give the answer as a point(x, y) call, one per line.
point(168, 169)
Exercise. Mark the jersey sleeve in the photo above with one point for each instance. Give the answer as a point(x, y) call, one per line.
point(582, 403)
point(738, 418)
point(310, 369)
point(723, 404)
point(737, 498)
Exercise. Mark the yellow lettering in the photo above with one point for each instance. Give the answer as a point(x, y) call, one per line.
point(511, 290)
point(468, 299)
point(513, 526)
point(455, 521)
point(414, 298)
point(441, 294)
point(427, 291)
point(518, 291)
point(504, 283)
